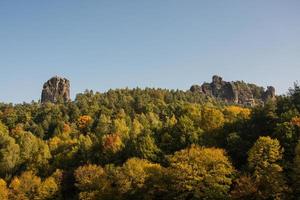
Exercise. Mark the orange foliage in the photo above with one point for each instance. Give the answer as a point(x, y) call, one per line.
point(67, 128)
point(84, 121)
point(112, 142)
point(296, 121)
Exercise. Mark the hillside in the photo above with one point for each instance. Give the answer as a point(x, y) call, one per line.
point(152, 144)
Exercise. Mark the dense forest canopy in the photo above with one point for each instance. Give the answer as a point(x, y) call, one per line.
point(150, 144)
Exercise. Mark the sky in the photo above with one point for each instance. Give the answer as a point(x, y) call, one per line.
point(102, 45)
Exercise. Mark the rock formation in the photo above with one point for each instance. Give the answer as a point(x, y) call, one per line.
point(269, 94)
point(235, 91)
point(196, 88)
point(56, 89)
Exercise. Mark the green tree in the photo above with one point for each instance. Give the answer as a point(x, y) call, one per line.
point(144, 147)
point(188, 132)
point(9, 152)
point(34, 152)
point(10, 117)
point(264, 159)
point(104, 125)
point(296, 170)
point(245, 188)
point(295, 96)
point(265, 152)
point(287, 135)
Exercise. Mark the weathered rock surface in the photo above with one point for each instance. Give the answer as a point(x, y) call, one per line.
point(56, 89)
point(235, 91)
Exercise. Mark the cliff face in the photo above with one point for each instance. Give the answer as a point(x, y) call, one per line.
point(56, 89)
point(235, 91)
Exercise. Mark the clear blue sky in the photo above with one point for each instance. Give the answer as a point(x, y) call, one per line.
point(157, 43)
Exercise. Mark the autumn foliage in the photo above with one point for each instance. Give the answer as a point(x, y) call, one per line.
point(150, 144)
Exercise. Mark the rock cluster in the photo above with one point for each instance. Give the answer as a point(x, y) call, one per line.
point(235, 91)
point(56, 89)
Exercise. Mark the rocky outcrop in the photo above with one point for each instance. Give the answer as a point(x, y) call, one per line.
point(269, 94)
point(235, 91)
point(196, 88)
point(56, 89)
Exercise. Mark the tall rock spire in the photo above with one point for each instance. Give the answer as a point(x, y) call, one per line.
point(56, 89)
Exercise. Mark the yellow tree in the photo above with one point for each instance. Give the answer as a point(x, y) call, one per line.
point(120, 127)
point(28, 186)
point(131, 179)
point(211, 119)
point(3, 190)
point(25, 187)
point(92, 182)
point(200, 173)
point(233, 113)
point(136, 128)
point(50, 188)
point(193, 111)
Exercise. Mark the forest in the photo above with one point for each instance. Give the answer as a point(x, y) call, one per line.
point(150, 144)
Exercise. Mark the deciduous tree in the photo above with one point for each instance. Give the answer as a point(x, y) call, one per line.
point(200, 173)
